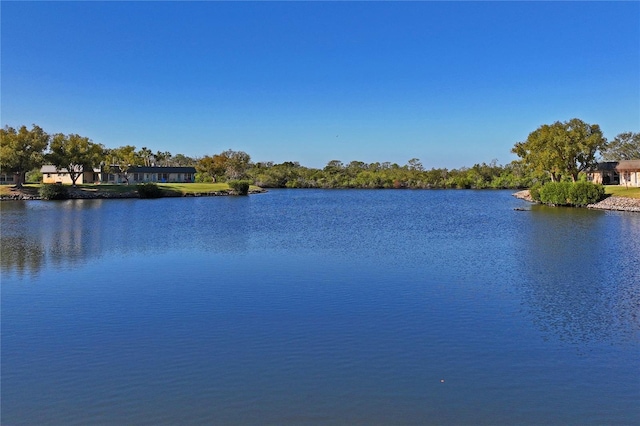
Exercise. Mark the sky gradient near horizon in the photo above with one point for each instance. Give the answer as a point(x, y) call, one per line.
point(450, 83)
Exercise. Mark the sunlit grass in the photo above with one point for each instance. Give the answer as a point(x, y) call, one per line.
point(622, 191)
point(193, 188)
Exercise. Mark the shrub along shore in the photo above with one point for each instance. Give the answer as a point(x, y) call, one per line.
point(612, 202)
point(619, 198)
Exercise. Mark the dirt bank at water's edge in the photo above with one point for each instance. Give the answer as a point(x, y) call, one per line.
point(610, 203)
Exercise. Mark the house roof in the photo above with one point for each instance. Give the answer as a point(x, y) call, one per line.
point(628, 165)
point(50, 168)
point(144, 169)
point(605, 166)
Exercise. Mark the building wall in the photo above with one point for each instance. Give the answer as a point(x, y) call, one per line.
point(630, 178)
point(7, 178)
point(604, 177)
point(62, 177)
point(161, 177)
point(135, 178)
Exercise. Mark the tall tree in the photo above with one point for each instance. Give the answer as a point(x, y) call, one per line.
point(121, 159)
point(415, 164)
point(238, 162)
point(562, 148)
point(146, 155)
point(163, 158)
point(22, 150)
point(625, 146)
point(181, 160)
point(213, 166)
point(74, 153)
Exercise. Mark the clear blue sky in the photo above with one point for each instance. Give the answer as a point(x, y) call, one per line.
point(451, 83)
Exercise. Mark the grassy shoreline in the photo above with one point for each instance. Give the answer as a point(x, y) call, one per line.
point(124, 191)
point(193, 189)
point(621, 191)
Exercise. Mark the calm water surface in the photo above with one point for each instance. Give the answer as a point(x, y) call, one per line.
point(319, 307)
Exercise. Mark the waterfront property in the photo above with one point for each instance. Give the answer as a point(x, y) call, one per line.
point(605, 173)
point(52, 175)
point(142, 174)
point(629, 171)
point(624, 172)
point(135, 174)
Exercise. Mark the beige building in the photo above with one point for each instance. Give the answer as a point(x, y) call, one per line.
point(629, 171)
point(134, 175)
point(51, 175)
point(604, 173)
point(623, 172)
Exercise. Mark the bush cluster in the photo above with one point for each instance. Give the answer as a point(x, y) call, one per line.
point(241, 187)
point(53, 191)
point(583, 193)
point(149, 190)
point(568, 193)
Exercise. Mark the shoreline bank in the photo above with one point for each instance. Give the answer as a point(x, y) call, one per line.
point(612, 202)
point(82, 194)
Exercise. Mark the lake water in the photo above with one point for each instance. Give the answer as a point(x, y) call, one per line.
point(319, 307)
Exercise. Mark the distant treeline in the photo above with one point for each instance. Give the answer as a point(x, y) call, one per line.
point(357, 174)
point(556, 152)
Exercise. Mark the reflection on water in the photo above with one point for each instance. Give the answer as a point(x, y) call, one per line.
point(316, 306)
point(581, 273)
point(36, 234)
point(21, 255)
point(578, 269)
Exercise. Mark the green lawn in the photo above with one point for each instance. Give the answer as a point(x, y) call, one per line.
point(621, 191)
point(193, 188)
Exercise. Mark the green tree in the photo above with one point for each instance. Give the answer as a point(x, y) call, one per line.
point(22, 150)
point(213, 166)
point(415, 164)
point(181, 160)
point(121, 159)
point(146, 155)
point(163, 158)
point(562, 148)
point(74, 153)
point(238, 162)
point(34, 176)
point(625, 146)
